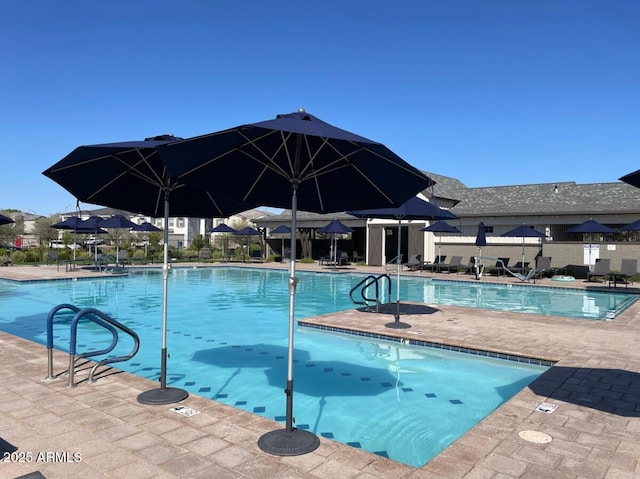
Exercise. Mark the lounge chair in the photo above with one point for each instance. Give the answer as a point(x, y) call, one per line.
point(357, 257)
point(602, 269)
point(452, 266)
point(628, 269)
point(123, 257)
point(343, 258)
point(432, 266)
point(543, 264)
point(415, 263)
point(520, 267)
point(52, 257)
point(205, 254)
point(499, 268)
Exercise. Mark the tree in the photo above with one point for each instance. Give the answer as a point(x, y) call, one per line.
point(44, 231)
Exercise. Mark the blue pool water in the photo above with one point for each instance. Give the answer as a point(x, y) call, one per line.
point(227, 339)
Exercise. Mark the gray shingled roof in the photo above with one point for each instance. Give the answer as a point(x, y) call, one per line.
point(539, 199)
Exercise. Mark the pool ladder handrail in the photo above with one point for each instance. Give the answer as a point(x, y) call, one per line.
point(370, 280)
point(98, 317)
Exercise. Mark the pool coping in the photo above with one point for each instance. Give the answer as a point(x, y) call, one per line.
point(595, 428)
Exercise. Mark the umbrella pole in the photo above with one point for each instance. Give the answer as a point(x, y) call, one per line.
point(290, 441)
point(164, 395)
point(397, 324)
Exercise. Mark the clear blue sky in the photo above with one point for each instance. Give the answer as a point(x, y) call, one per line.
point(492, 92)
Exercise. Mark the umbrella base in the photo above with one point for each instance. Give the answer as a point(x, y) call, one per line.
point(397, 325)
point(162, 396)
point(288, 443)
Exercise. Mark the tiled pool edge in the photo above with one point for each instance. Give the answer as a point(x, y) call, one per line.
point(430, 344)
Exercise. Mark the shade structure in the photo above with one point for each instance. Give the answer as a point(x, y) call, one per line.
point(590, 226)
point(412, 209)
point(523, 231)
point(5, 220)
point(335, 228)
point(146, 227)
point(222, 228)
point(132, 176)
point(281, 230)
point(635, 226)
point(441, 227)
point(632, 179)
point(118, 222)
point(481, 240)
point(73, 223)
point(248, 231)
point(295, 160)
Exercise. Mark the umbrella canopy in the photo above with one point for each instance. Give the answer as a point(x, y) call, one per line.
point(72, 223)
point(146, 227)
point(590, 227)
point(412, 209)
point(132, 176)
point(222, 228)
point(441, 227)
point(335, 228)
point(523, 231)
point(632, 178)
point(5, 220)
point(296, 161)
point(635, 226)
point(281, 230)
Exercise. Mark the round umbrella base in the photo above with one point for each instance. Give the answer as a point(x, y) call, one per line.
point(397, 325)
point(162, 396)
point(288, 443)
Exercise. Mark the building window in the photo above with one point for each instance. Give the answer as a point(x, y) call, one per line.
point(488, 229)
point(172, 222)
point(180, 222)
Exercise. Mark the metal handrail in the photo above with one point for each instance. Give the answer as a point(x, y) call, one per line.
point(99, 318)
point(370, 280)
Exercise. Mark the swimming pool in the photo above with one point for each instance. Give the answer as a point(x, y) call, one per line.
point(227, 339)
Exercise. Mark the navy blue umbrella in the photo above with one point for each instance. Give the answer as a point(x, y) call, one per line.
point(5, 220)
point(589, 227)
point(118, 222)
point(72, 223)
point(412, 209)
point(299, 161)
point(281, 230)
point(481, 240)
point(223, 228)
point(632, 178)
point(335, 228)
point(146, 227)
point(441, 227)
point(132, 176)
point(248, 231)
point(523, 231)
point(635, 226)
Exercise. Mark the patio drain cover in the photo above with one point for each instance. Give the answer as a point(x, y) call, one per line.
point(535, 437)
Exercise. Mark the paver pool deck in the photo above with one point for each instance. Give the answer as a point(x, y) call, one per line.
point(595, 384)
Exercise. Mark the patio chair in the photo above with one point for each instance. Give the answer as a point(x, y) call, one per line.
point(452, 266)
point(520, 267)
point(6, 261)
point(123, 257)
point(52, 257)
point(415, 263)
point(543, 264)
point(628, 269)
point(343, 258)
point(357, 257)
point(205, 254)
point(602, 269)
point(432, 266)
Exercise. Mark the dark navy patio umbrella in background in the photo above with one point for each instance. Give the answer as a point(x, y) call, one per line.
point(590, 226)
point(523, 231)
point(248, 231)
point(146, 227)
point(632, 179)
point(131, 176)
point(281, 230)
point(118, 222)
point(73, 223)
point(635, 226)
point(223, 228)
point(335, 228)
point(481, 240)
point(441, 227)
point(412, 209)
point(295, 161)
point(5, 220)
